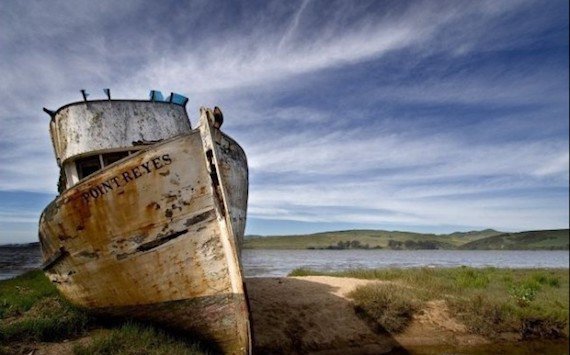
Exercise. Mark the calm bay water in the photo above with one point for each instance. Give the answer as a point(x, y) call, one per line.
point(258, 263)
point(263, 263)
point(15, 260)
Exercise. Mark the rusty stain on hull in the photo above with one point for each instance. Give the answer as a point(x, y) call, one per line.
point(156, 235)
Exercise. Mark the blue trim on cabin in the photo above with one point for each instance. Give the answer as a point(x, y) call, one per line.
point(172, 99)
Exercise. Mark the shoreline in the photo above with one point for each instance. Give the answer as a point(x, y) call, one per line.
point(304, 314)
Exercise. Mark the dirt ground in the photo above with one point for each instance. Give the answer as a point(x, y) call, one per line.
point(313, 315)
point(299, 315)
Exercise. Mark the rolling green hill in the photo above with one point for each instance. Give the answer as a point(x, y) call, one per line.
point(367, 239)
point(532, 240)
point(487, 239)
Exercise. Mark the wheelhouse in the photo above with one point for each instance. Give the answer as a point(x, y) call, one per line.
point(88, 136)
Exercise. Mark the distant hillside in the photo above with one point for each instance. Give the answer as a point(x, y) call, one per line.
point(532, 240)
point(368, 239)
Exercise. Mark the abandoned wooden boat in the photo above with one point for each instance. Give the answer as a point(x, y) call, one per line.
point(150, 216)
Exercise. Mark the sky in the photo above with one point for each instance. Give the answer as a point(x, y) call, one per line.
point(433, 116)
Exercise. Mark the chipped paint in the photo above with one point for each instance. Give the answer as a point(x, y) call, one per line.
point(167, 235)
point(85, 127)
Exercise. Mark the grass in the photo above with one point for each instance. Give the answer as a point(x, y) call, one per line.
point(51, 319)
point(20, 294)
point(133, 338)
point(532, 240)
point(389, 307)
point(489, 301)
point(32, 310)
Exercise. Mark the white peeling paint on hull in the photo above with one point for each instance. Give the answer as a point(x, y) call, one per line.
point(157, 235)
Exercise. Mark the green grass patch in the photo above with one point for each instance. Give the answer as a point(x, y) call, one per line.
point(133, 338)
point(31, 309)
point(303, 271)
point(531, 240)
point(52, 319)
point(489, 301)
point(19, 294)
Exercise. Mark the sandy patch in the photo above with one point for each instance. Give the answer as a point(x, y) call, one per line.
point(434, 325)
point(314, 315)
point(310, 314)
point(342, 285)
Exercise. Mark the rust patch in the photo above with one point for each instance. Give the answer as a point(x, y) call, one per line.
point(89, 255)
point(153, 205)
point(63, 237)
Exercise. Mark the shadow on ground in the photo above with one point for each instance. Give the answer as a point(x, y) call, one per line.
point(292, 315)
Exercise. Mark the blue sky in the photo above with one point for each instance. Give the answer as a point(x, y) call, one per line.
point(423, 116)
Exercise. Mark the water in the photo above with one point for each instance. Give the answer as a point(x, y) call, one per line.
point(263, 263)
point(259, 263)
point(15, 260)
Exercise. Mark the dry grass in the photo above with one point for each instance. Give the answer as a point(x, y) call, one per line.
point(133, 339)
point(389, 307)
point(489, 301)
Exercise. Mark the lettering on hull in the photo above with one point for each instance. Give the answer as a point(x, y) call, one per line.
point(125, 177)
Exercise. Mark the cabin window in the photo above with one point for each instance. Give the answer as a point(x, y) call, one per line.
point(110, 158)
point(90, 165)
point(87, 166)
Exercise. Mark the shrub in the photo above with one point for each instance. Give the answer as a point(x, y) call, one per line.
point(484, 314)
point(525, 292)
point(389, 307)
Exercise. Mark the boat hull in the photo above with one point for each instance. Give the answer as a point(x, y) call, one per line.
point(156, 236)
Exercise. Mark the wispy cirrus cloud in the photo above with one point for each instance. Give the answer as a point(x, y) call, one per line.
point(385, 114)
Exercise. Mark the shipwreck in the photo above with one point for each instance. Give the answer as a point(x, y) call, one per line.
point(150, 216)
